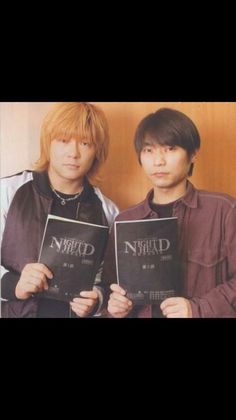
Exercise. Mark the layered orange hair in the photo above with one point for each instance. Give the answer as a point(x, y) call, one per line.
point(75, 120)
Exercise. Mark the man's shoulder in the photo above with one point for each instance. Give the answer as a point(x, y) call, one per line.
point(217, 198)
point(110, 208)
point(105, 199)
point(11, 184)
point(133, 213)
point(17, 179)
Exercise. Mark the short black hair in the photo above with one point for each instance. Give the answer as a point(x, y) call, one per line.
point(168, 127)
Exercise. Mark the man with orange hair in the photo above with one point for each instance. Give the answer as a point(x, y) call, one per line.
point(74, 143)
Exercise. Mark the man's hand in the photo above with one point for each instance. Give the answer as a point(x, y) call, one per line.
point(33, 279)
point(119, 305)
point(176, 307)
point(84, 306)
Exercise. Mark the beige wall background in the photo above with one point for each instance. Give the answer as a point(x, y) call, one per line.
point(122, 178)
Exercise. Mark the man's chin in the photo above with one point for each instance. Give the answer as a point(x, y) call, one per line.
point(162, 184)
point(72, 175)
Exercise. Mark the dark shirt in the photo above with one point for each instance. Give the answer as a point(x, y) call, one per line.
point(49, 308)
point(163, 210)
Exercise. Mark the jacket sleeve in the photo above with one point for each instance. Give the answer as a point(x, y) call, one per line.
point(220, 301)
point(8, 285)
point(100, 292)
point(101, 285)
point(9, 186)
point(5, 203)
point(106, 275)
point(109, 268)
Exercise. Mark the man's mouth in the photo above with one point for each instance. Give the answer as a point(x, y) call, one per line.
point(160, 173)
point(71, 166)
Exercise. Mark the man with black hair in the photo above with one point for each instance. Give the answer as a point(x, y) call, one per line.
point(167, 143)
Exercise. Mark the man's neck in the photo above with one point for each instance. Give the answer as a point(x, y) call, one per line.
point(169, 195)
point(66, 186)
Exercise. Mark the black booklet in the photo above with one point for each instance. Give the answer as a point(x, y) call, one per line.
point(147, 259)
point(73, 251)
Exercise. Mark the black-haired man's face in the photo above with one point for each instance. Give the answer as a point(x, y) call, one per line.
point(166, 166)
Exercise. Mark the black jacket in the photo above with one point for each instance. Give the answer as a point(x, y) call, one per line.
point(24, 227)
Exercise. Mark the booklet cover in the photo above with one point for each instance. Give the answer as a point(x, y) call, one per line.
point(73, 251)
point(147, 259)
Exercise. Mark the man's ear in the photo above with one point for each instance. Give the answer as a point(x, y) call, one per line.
point(194, 156)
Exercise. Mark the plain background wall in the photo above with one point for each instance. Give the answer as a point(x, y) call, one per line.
point(122, 178)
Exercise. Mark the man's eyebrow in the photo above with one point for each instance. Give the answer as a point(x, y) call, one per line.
point(148, 143)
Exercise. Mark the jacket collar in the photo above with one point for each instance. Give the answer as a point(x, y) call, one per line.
point(42, 184)
point(190, 199)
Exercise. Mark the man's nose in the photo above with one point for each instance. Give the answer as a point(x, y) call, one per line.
point(74, 148)
point(159, 157)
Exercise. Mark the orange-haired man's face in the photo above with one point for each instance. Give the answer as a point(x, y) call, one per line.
point(71, 159)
